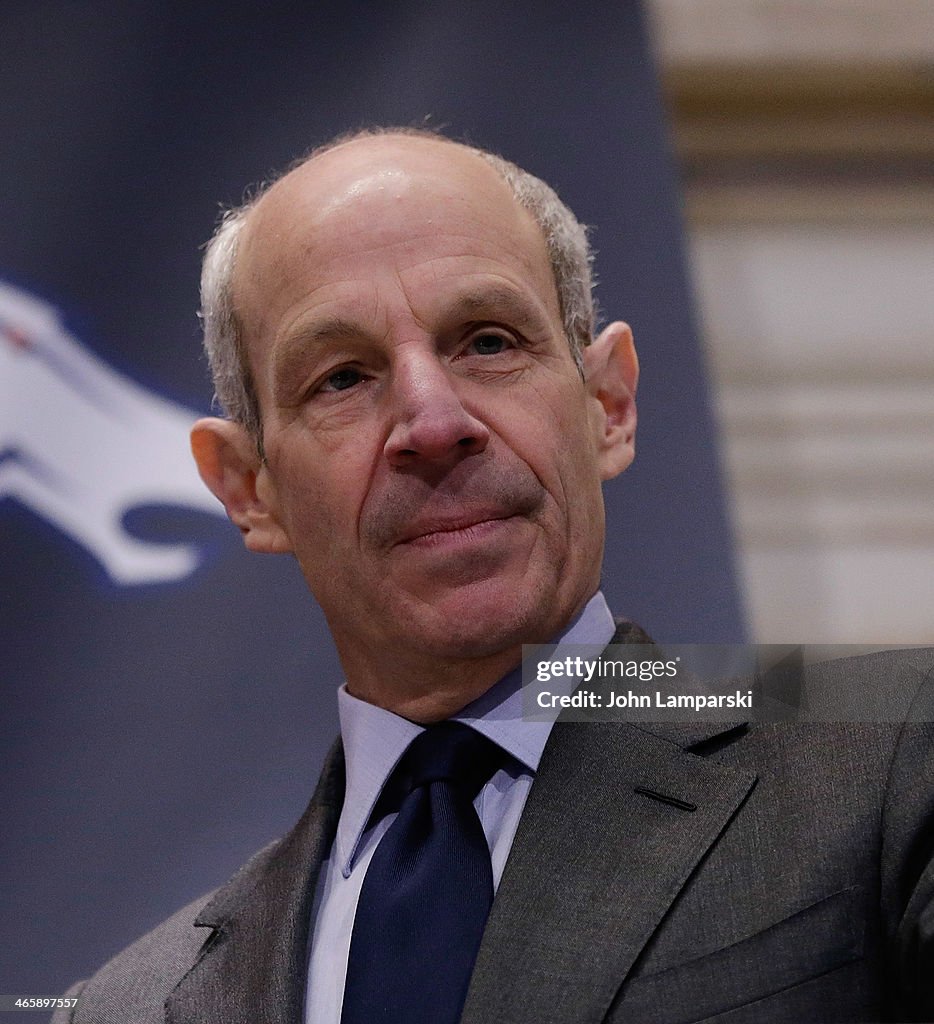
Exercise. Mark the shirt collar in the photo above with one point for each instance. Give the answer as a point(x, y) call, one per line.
point(375, 739)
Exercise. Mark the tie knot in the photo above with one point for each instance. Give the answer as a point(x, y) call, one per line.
point(449, 752)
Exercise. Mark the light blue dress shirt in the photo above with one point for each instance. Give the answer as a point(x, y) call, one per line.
point(374, 741)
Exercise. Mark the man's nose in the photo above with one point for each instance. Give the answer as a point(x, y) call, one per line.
point(430, 420)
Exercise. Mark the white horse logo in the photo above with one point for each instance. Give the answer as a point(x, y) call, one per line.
point(80, 444)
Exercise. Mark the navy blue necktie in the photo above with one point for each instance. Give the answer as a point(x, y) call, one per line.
point(428, 888)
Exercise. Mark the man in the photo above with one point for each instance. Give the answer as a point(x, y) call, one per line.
point(401, 333)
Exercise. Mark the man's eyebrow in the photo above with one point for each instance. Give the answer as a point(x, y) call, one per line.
point(292, 352)
point(499, 303)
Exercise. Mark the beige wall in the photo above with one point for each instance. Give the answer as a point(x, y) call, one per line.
point(805, 132)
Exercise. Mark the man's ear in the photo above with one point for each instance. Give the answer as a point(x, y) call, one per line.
point(611, 374)
point(230, 465)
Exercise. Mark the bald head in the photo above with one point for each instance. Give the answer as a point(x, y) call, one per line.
point(258, 245)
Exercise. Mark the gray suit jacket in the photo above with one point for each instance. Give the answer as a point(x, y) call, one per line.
point(800, 887)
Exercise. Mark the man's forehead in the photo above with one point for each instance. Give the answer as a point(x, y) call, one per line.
point(359, 167)
point(355, 183)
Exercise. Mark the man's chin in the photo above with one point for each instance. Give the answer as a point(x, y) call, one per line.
point(480, 620)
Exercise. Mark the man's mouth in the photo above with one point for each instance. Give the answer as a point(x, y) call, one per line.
point(454, 529)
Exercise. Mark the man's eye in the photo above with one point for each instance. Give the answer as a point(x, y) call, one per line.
point(489, 344)
point(341, 380)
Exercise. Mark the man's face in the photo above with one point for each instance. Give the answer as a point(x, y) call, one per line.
point(431, 450)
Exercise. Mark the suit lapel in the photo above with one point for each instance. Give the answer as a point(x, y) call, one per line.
point(596, 864)
point(253, 965)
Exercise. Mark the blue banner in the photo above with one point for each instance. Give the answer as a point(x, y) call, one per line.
point(167, 697)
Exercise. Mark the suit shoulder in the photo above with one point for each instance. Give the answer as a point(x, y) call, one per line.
point(883, 686)
point(902, 665)
point(134, 985)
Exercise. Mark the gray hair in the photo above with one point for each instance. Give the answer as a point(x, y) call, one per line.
point(565, 237)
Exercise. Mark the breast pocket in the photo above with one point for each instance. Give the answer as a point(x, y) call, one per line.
point(814, 941)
